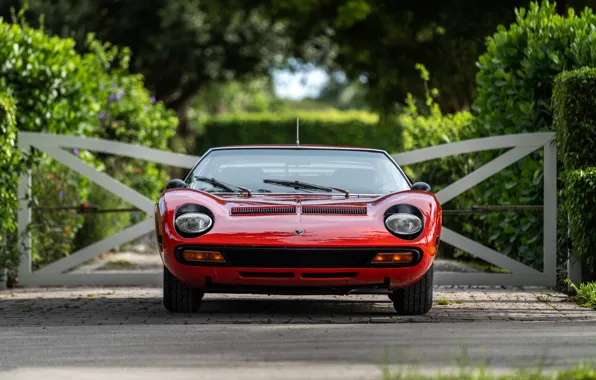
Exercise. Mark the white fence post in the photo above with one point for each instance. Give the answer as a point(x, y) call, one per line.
point(550, 212)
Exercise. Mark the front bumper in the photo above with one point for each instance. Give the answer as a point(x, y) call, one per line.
point(299, 272)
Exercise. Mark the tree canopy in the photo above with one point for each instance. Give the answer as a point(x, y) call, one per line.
point(179, 46)
point(182, 46)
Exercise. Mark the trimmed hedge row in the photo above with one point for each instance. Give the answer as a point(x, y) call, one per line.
point(352, 128)
point(574, 116)
point(574, 106)
point(581, 205)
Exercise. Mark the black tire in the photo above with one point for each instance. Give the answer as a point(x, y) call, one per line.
point(417, 299)
point(178, 297)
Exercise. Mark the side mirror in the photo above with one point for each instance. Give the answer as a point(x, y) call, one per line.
point(423, 186)
point(175, 184)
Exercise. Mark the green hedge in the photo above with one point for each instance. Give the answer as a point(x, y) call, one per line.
point(574, 106)
point(9, 161)
point(10, 167)
point(574, 115)
point(347, 128)
point(581, 205)
point(57, 90)
point(514, 90)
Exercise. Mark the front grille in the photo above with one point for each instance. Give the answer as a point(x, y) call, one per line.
point(298, 258)
point(263, 210)
point(266, 275)
point(330, 275)
point(270, 257)
point(335, 210)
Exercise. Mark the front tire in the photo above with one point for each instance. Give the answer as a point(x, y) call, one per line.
point(416, 299)
point(178, 297)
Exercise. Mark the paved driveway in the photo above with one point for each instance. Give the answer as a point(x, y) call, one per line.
point(98, 332)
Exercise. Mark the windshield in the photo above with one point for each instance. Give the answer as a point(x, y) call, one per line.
point(359, 172)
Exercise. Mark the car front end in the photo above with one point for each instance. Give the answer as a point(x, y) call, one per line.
point(325, 241)
point(299, 245)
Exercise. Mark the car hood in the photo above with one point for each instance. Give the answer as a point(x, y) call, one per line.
point(299, 219)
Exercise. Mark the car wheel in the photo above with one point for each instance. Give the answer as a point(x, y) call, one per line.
point(178, 297)
point(416, 299)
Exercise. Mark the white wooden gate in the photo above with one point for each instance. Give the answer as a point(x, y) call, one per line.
point(520, 146)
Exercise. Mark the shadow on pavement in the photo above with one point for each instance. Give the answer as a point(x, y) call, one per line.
point(108, 310)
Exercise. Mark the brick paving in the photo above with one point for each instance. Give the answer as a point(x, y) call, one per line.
point(142, 305)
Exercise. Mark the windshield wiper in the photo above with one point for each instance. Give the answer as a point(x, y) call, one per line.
point(305, 185)
point(223, 185)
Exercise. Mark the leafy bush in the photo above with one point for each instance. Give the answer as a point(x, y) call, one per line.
point(57, 90)
point(10, 168)
point(515, 82)
point(429, 127)
point(517, 72)
point(129, 114)
point(348, 128)
point(426, 126)
point(581, 205)
point(54, 90)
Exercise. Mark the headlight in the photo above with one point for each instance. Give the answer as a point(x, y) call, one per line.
point(193, 222)
point(403, 224)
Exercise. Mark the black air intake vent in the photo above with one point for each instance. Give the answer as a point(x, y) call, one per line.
point(263, 210)
point(334, 210)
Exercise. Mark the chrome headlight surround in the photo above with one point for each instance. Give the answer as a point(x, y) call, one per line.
point(404, 212)
point(204, 216)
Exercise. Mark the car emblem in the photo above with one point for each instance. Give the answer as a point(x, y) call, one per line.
point(299, 232)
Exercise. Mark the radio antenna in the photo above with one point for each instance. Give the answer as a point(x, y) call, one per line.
point(297, 132)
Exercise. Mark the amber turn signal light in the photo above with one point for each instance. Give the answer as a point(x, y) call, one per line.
point(205, 256)
point(393, 258)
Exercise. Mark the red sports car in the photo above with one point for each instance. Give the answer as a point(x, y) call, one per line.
point(297, 220)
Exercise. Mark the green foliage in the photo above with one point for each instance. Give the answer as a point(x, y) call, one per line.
point(428, 127)
point(574, 112)
point(581, 206)
point(57, 90)
point(581, 371)
point(10, 168)
point(383, 40)
point(53, 232)
point(343, 94)
point(179, 46)
point(517, 71)
point(514, 88)
point(53, 87)
point(574, 98)
point(585, 294)
point(349, 128)
point(129, 114)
